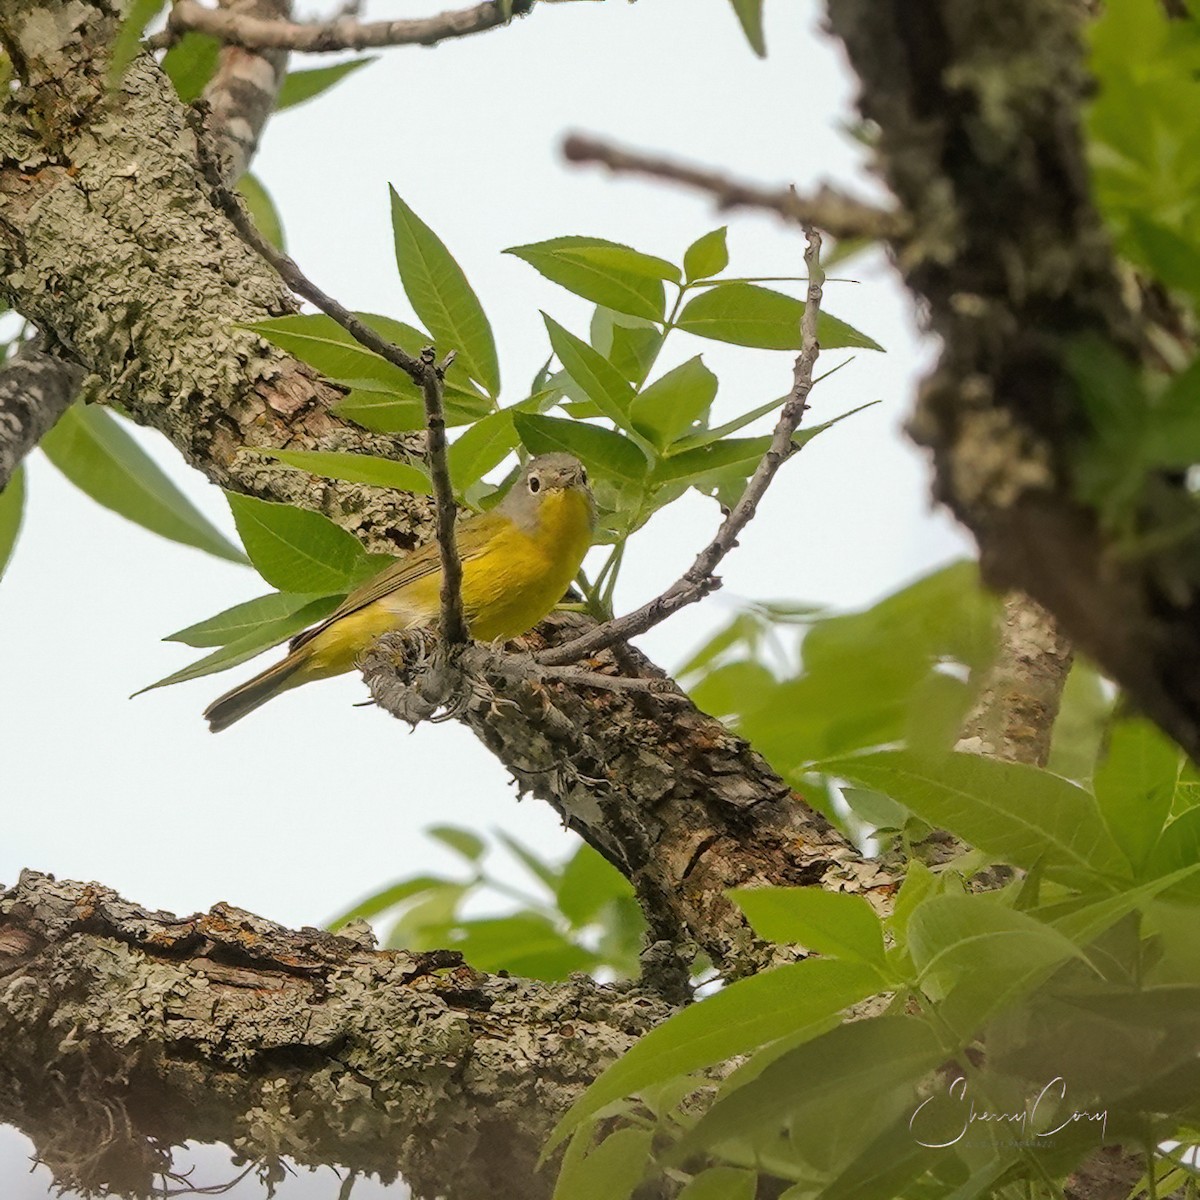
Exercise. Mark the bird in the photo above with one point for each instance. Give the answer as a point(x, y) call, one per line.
point(518, 561)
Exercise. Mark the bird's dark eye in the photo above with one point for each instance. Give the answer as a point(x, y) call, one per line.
point(535, 484)
point(583, 476)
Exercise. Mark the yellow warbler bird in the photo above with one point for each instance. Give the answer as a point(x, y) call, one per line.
point(518, 561)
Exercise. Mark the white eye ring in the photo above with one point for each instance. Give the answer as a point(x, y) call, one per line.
point(535, 484)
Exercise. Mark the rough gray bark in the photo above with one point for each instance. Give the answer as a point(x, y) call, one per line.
point(682, 806)
point(127, 1031)
point(36, 388)
point(978, 106)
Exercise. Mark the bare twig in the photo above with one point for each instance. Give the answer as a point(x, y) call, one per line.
point(698, 580)
point(838, 215)
point(425, 371)
point(454, 628)
point(342, 33)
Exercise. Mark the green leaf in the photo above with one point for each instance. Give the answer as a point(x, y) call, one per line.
point(296, 550)
point(480, 448)
point(1135, 784)
point(526, 944)
point(604, 272)
point(12, 508)
point(746, 1014)
point(190, 64)
point(321, 342)
point(252, 644)
point(543, 871)
point(692, 466)
point(708, 436)
point(748, 315)
point(99, 457)
point(722, 1183)
point(674, 402)
point(603, 451)
point(601, 382)
point(750, 16)
point(706, 256)
point(610, 1172)
point(129, 37)
point(461, 841)
point(300, 86)
point(1017, 812)
point(834, 923)
point(441, 296)
point(356, 468)
point(262, 209)
point(386, 898)
point(952, 937)
point(834, 1075)
point(241, 619)
point(588, 883)
point(631, 344)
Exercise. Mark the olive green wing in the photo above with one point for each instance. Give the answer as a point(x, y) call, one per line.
point(470, 537)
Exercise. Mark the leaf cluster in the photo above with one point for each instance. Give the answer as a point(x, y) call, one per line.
point(580, 915)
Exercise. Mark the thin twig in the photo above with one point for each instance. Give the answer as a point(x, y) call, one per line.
point(342, 33)
point(425, 371)
point(841, 216)
point(299, 283)
point(698, 580)
point(454, 627)
point(524, 669)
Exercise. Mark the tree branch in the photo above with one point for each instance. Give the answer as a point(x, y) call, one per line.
point(454, 627)
point(1014, 717)
point(838, 215)
point(36, 388)
point(127, 1031)
point(242, 92)
point(1013, 267)
point(684, 808)
point(698, 580)
point(342, 33)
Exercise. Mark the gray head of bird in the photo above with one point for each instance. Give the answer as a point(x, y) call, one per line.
point(544, 476)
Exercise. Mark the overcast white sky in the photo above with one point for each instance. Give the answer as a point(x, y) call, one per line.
point(311, 802)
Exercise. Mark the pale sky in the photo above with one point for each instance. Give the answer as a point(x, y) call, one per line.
point(311, 803)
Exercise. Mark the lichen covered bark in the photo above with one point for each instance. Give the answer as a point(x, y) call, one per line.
point(685, 808)
point(109, 241)
point(978, 106)
point(127, 1031)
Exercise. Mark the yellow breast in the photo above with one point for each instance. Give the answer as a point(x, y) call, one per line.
point(522, 574)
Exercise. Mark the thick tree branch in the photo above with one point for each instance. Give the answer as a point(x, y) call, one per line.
point(838, 215)
point(37, 387)
point(342, 33)
point(1014, 716)
point(244, 88)
point(977, 104)
point(126, 1032)
point(684, 808)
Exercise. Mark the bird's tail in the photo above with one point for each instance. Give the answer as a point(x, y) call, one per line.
point(234, 705)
